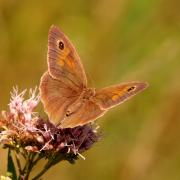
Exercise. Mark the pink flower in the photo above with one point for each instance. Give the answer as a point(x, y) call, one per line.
point(18, 105)
point(23, 128)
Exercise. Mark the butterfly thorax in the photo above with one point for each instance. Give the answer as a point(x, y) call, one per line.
point(87, 93)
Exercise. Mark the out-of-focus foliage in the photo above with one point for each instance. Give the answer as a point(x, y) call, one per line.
point(118, 41)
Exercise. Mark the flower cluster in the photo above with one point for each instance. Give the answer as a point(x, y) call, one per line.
point(23, 130)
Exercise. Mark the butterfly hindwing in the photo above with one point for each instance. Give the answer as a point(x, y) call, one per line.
point(87, 112)
point(56, 97)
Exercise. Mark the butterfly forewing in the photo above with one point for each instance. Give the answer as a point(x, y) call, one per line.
point(114, 95)
point(63, 60)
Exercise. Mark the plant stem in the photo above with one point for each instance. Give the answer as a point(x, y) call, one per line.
point(18, 162)
point(46, 167)
point(29, 165)
point(51, 162)
point(25, 172)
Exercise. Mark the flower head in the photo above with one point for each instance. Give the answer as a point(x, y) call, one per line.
point(24, 130)
point(18, 105)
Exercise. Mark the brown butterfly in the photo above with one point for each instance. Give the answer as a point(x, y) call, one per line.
point(63, 88)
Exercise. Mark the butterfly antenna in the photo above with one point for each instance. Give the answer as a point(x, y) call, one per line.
point(90, 80)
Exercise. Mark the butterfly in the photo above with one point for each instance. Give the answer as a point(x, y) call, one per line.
point(67, 99)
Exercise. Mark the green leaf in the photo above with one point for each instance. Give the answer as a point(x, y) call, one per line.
point(11, 167)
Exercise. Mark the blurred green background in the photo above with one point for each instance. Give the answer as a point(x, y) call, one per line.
point(119, 40)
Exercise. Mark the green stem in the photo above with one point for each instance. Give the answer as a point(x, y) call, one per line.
point(56, 159)
point(46, 167)
point(18, 162)
point(37, 159)
point(25, 172)
point(29, 166)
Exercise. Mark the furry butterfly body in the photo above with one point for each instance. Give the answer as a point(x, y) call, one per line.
point(67, 99)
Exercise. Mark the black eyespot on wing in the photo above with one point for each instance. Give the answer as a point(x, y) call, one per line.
point(131, 88)
point(61, 45)
point(68, 113)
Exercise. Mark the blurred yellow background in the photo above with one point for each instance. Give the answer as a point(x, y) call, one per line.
point(119, 40)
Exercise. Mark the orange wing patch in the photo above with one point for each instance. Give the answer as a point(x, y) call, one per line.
point(70, 62)
point(61, 62)
point(117, 94)
point(121, 92)
point(115, 97)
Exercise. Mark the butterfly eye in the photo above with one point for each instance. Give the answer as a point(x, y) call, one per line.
point(61, 45)
point(131, 89)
